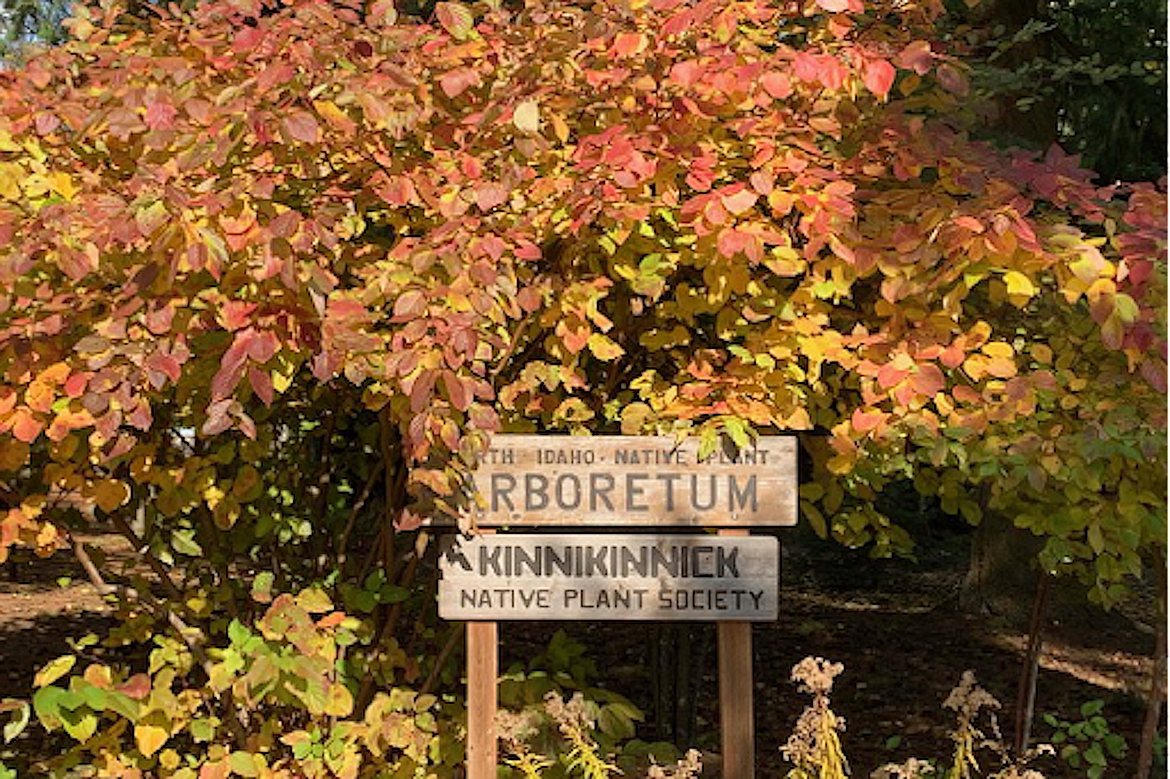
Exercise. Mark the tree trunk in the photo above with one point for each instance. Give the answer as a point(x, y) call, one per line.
point(1029, 674)
point(1002, 568)
point(1157, 683)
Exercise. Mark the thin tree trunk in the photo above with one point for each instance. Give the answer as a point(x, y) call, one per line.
point(1157, 683)
point(1029, 673)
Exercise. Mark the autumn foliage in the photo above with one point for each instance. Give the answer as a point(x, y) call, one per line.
point(271, 278)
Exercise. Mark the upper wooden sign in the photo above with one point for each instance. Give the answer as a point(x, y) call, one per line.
point(535, 480)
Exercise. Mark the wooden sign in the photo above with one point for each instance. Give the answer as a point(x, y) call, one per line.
point(629, 481)
point(609, 577)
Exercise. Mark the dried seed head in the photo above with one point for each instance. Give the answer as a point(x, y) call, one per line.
point(967, 698)
point(911, 769)
point(815, 675)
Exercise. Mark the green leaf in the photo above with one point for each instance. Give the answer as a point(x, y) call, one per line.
point(183, 541)
point(738, 432)
point(1090, 708)
point(80, 723)
point(1094, 755)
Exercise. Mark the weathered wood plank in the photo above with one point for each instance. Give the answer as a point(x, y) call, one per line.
point(609, 577)
point(623, 481)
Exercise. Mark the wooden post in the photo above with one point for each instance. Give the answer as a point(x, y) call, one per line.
point(482, 676)
point(482, 697)
point(736, 721)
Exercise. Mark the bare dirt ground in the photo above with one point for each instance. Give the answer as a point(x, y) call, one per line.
point(894, 624)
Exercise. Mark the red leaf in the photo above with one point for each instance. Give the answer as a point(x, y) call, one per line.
point(1154, 371)
point(75, 385)
point(422, 390)
point(952, 80)
point(46, 122)
point(458, 81)
point(526, 250)
point(262, 347)
point(917, 56)
point(686, 73)
point(807, 66)
point(261, 382)
point(834, 6)
point(236, 314)
point(890, 376)
point(160, 116)
point(490, 195)
point(879, 77)
point(778, 85)
point(136, 687)
point(231, 369)
point(953, 356)
point(247, 38)
point(575, 340)
point(410, 305)
point(457, 392)
point(929, 380)
point(302, 126)
point(165, 366)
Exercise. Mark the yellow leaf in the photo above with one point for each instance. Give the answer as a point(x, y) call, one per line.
point(999, 349)
point(62, 184)
point(10, 176)
point(340, 701)
point(526, 117)
point(560, 128)
point(150, 738)
point(603, 348)
point(54, 670)
point(1018, 284)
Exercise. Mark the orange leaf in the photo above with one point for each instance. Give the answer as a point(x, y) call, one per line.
point(739, 202)
point(629, 43)
point(865, 421)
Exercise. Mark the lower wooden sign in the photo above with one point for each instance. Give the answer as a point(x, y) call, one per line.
point(609, 577)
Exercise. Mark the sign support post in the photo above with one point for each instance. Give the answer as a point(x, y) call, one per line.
point(736, 705)
point(482, 694)
point(483, 675)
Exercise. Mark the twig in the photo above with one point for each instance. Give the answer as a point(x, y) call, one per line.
point(144, 552)
point(193, 637)
point(343, 540)
point(453, 641)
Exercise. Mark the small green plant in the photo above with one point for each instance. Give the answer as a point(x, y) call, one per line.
point(1088, 743)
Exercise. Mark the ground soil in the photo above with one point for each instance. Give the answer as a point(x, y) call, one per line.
point(895, 625)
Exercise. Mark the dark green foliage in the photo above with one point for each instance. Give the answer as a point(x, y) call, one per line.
point(1089, 74)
